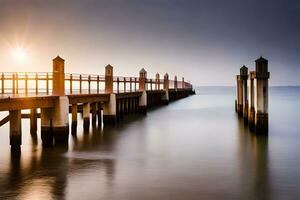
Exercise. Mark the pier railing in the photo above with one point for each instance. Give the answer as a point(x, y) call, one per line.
point(40, 83)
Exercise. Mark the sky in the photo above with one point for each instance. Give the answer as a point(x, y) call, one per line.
point(205, 41)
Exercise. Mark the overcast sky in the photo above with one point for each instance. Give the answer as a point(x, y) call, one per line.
point(206, 41)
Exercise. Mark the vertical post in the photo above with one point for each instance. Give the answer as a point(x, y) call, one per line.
point(98, 80)
point(142, 88)
point(2, 83)
point(89, 83)
point(33, 121)
point(17, 84)
point(244, 77)
point(125, 84)
point(165, 97)
point(109, 108)
point(55, 121)
point(74, 118)
point(175, 82)
point(261, 96)
point(99, 114)
point(36, 84)
point(94, 113)
point(157, 81)
point(26, 84)
point(15, 128)
point(130, 84)
point(183, 83)
point(108, 79)
point(86, 116)
point(47, 83)
point(118, 84)
point(135, 84)
point(71, 83)
point(13, 83)
point(151, 84)
point(239, 98)
point(251, 113)
point(80, 84)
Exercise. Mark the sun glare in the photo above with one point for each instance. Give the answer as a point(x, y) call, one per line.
point(19, 54)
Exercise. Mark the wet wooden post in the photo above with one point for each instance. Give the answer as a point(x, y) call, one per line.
point(74, 118)
point(142, 88)
point(94, 113)
point(261, 94)
point(244, 77)
point(15, 128)
point(239, 98)
point(99, 108)
point(165, 97)
point(33, 121)
point(109, 108)
point(251, 112)
point(86, 116)
point(55, 121)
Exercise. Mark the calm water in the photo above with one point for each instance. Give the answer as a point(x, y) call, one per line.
point(195, 148)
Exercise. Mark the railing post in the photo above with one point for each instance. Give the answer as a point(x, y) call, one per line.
point(36, 84)
point(2, 83)
point(17, 84)
point(175, 82)
point(71, 84)
point(165, 97)
point(26, 84)
point(183, 83)
point(157, 85)
point(109, 79)
point(98, 80)
point(151, 84)
point(135, 84)
point(89, 83)
point(80, 84)
point(130, 84)
point(118, 84)
point(47, 84)
point(142, 88)
point(13, 83)
point(124, 85)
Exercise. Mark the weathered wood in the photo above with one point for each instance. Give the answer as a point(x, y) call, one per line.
point(4, 120)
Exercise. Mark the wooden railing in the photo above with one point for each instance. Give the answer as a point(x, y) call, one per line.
point(31, 83)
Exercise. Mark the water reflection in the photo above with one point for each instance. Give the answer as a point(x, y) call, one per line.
point(253, 153)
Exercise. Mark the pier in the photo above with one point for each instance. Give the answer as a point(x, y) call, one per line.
point(52, 96)
point(252, 99)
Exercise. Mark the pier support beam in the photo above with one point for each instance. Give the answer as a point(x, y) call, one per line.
point(33, 121)
point(86, 116)
point(239, 98)
point(15, 126)
point(94, 114)
point(74, 118)
point(251, 111)
point(109, 111)
point(261, 94)
point(142, 88)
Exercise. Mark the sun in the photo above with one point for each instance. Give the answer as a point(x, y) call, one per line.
point(19, 54)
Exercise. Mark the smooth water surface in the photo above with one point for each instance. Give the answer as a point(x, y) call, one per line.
point(194, 148)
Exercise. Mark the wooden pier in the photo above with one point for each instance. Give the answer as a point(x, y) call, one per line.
point(52, 96)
